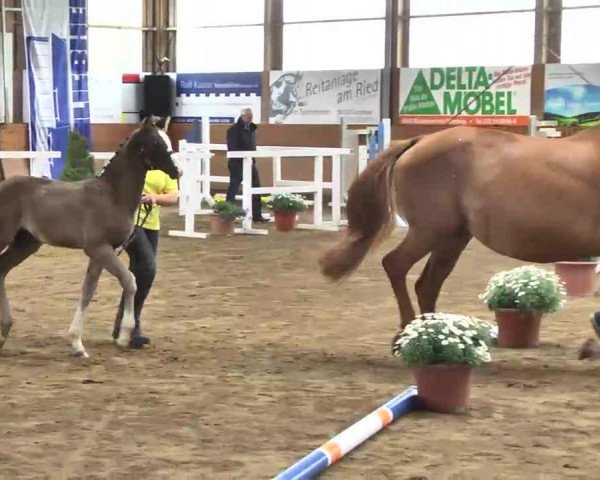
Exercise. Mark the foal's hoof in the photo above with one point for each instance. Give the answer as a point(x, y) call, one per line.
point(590, 349)
point(80, 354)
point(122, 342)
point(138, 342)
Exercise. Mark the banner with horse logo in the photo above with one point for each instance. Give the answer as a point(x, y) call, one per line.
point(465, 95)
point(325, 97)
point(57, 98)
point(572, 94)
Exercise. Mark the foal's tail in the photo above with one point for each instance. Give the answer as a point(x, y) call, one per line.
point(371, 213)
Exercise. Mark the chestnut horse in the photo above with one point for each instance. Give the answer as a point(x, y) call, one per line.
point(94, 215)
point(529, 198)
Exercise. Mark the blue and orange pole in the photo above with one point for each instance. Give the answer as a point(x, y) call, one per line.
point(332, 451)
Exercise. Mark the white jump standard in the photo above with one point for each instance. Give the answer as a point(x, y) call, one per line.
point(314, 187)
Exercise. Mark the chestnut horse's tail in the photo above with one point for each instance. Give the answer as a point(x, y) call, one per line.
point(371, 213)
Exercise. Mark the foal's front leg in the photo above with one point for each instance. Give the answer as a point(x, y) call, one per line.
point(107, 258)
point(87, 292)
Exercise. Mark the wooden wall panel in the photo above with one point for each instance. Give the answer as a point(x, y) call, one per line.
point(14, 136)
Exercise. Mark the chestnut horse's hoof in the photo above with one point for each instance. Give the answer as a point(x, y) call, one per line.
point(395, 340)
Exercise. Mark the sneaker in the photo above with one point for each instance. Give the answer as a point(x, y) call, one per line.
point(138, 342)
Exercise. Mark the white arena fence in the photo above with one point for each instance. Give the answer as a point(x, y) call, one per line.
point(195, 183)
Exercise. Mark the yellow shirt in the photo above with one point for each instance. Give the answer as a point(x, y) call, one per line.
point(157, 183)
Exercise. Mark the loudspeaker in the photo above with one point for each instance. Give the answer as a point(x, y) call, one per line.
point(157, 95)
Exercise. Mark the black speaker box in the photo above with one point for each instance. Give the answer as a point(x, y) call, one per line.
point(157, 95)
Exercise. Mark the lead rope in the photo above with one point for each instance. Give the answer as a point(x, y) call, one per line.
point(147, 210)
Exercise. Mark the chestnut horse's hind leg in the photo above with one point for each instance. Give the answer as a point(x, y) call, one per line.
point(23, 246)
point(87, 292)
point(438, 267)
point(398, 263)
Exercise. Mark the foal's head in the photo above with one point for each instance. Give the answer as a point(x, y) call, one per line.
point(147, 143)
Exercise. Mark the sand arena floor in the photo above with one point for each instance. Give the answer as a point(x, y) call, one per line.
point(256, 360)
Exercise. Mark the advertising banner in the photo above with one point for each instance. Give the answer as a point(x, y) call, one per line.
point(572, 94)
point(325, 97)
point(435, 95)
point(218, 95)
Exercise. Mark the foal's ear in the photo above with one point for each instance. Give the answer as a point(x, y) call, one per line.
point(148, 122)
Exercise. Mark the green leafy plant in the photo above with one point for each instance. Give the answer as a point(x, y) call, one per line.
point(286, 201)
point(79, 164)
point(527, 288)
point(228, 211)
point(444, 338)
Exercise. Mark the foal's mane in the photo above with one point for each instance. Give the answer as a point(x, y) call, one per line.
point(123, 145)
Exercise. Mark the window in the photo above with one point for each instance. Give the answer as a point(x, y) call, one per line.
point(333, 34)
point(230, 49)
point(115, 49)
point(580, 3)
point(311, 10)
point(202, 13)
point(435, 7)
point(333, 46)
point(220, 36)
point(118, 13)
point(481, 40)
point(579, 29)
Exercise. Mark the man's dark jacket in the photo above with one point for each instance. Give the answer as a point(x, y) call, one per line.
point(241, 138)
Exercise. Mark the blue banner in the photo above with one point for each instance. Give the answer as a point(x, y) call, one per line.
point(56, 55)
point(79, 67)
point(219, 96)
point(241, 83)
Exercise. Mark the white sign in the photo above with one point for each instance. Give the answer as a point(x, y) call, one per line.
point(325, 97)
point(105, 101)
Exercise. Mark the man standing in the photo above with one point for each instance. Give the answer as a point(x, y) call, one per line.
point(242, 137)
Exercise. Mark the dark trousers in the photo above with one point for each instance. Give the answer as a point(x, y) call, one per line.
point(236, 174)
point(142, 263)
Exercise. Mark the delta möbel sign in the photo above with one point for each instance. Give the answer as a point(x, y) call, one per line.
point(435, 95)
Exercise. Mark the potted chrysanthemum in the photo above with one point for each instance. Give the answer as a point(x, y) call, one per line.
point(579, 276)
point(285, 210)
point(519, 299)
point(222, 221)
point(442, 349)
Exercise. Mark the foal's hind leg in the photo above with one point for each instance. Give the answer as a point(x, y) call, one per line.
point(23, 246)
point(87, 292)
point(439, 266)
point(398, 263)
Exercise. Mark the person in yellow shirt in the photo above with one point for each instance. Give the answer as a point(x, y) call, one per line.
point(159, 190)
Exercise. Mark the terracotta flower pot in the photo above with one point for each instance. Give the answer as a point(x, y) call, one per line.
point(444, 388)
point(285, 220)
point(579, 277)
point(518, 329)
point(220, 226)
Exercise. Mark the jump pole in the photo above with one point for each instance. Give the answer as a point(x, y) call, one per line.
point(332, 451)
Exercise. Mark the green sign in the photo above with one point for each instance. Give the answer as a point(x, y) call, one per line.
point(465, 91)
